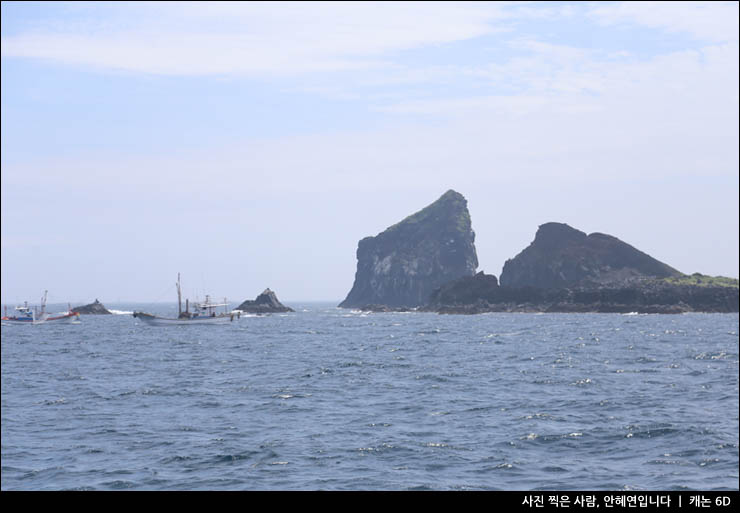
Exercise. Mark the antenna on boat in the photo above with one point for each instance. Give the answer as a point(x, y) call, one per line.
point(179, 296)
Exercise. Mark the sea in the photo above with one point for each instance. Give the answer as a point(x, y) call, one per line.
point(333, 399)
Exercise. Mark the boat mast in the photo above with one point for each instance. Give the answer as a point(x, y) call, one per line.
point(43, 303)
point(179, 296)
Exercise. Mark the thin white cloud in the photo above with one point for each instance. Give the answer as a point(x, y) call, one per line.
point(256, 38)
point(695, 84)
point(710, 21)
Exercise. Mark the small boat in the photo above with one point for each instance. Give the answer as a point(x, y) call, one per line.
point(27, 315)
point(24, 315)
point(202, 313)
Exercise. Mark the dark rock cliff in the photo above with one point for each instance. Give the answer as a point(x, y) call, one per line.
point(561, 256)
point(401, 266)
point(267, 302)
point(95, 308)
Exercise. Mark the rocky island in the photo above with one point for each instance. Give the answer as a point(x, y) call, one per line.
point(565, 270)
point(400, 267)
point(428, 261)
point(267, 302)
point(95, 308)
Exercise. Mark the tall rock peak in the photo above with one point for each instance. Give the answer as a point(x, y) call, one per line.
point(401, 266)
point(561, 256)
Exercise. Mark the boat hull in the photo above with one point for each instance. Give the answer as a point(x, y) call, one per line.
point(153, 320)
point(70, 318)
point(23, 320)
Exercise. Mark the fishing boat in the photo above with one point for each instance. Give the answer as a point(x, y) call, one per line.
point(27, 315)
point(201, 313)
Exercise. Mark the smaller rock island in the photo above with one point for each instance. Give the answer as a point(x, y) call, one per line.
point(95, 308)
point(562, 257)
point(565, 270)
point(267, 302)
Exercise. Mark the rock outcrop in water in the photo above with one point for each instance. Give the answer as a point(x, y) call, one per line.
point(267, 302)
point(561, 256)
point(400, 267)
point(95, 308)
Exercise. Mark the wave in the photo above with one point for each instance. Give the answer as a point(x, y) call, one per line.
point(120, 312)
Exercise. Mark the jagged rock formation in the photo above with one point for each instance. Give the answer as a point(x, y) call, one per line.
point(95, 308)
point(267, 302)
point(481, 293)
point(561, 256)
point(401, 266)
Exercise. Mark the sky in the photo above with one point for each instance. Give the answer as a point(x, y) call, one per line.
point(252, 145)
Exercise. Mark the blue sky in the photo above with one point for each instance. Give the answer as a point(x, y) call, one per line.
point(252, 145)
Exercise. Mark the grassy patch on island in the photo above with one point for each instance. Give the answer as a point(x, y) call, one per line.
point(702, 280)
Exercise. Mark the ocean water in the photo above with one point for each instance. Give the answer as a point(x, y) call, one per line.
point(332, 399)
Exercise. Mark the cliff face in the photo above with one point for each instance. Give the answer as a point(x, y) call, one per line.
point(401, 266)
point(267, 302)
point(561, 256)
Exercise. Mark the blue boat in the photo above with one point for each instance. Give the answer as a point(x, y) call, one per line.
point(27, 315)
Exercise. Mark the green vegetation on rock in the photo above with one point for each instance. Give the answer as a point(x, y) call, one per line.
point(702, 280)
point(451, 201)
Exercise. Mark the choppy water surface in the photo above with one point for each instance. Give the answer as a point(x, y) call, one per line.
point(333, 399)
